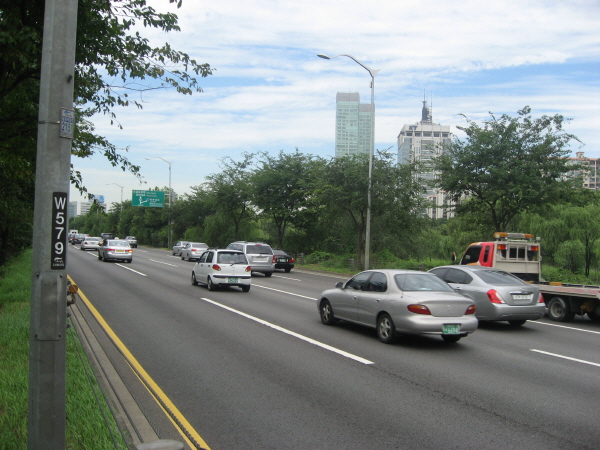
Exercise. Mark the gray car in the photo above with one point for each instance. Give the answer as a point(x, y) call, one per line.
point(399, 301)
point(178, 247)
point(259, 254)
point(115, 249)
point(498, 295)
point(193, 250)
point(89, 243)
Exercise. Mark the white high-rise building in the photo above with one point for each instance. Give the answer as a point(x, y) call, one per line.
point(421, 142)
point(352, 125)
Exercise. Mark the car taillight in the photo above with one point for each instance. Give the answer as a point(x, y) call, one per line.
point(419, 309)
point(541, 299)
point(248, 269)
point(470, 310)
point(274, 258)
point(129, 251)
point(494, 296)
point(216, 267)
point(291, 260)
point(110, 249)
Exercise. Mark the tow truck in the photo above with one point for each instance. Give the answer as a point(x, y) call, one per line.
point(519, 254)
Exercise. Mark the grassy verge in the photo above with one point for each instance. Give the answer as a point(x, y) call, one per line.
point(90, 425)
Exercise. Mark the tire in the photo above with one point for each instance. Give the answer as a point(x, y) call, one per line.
point(81, 248)
point(288, 270)
point(246, 288)
point(268, 274)
point(210, 285)
point(99, 256)
point(326, 313)
point(450, 337)
point(559, 310)
point(516, 323)
point(194, 281)
point(182, 258)
point(386, 331)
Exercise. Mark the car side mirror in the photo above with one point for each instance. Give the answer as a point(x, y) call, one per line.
point(339, 285)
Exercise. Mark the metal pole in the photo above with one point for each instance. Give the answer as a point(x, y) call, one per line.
point(169, 237)
point(372, 72)
point(46, 425)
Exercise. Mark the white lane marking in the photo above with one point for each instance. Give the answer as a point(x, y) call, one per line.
point(291, 333)
point(160, 262)
point(562, 326)
point(135, 271)
point(286, 278)
point(565, 357)
point(284, 292)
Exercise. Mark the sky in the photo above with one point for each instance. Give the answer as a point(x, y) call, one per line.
point(270, 92)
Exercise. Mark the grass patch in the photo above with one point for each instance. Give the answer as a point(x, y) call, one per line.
point(90, 424)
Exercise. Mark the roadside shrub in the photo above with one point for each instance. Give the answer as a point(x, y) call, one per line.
point(571, 256)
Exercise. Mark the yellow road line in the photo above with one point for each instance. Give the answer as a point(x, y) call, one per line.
point(184, 427)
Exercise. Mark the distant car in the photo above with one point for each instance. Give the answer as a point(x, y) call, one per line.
point(400, 301)
point(178, 247)
point(282, 260)
point(259, 254)
point(220, 267)
point(499, 295)
point(107, 236)
point(78, 238)
point(90, 243)
point(116, 249)
point(193, 250)
point(132, 241)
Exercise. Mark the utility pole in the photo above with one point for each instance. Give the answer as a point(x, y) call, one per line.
point(56, 121)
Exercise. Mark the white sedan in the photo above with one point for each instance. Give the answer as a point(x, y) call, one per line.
point(90, 243)
point(400, 301)
point(218, 268)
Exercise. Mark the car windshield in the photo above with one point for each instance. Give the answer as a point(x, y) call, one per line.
point(420, 282)
point(259, 249)
point(498, 278)
point(231, 258)
point(92, 239)
point(118, 244)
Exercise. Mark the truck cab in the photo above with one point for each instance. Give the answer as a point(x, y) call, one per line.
point(517, 253)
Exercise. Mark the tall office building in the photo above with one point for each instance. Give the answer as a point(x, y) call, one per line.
point(421, 142)
point(72, 210)
point(353, 132)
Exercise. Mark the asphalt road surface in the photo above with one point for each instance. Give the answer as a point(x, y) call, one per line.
point(258, 370)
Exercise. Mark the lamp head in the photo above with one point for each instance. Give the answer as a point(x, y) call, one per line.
point(320, 55)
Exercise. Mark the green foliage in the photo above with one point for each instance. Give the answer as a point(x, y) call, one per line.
point(571, 256)
point(508, 166)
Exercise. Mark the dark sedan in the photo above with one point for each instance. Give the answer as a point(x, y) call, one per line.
point(282, 260)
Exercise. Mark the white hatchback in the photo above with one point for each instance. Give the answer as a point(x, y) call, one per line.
point(220, 267)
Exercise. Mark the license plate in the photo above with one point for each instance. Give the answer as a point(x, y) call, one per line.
point(521, 297)
point(260, 258)
point(232, 280)
point(451, 329)
point(120, 251)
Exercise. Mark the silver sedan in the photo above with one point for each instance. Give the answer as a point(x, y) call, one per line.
point(178, 247)
point(90, 243)
point(499, 295)
point(399, 301)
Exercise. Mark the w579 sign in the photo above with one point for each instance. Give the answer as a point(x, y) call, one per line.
point(59, 231)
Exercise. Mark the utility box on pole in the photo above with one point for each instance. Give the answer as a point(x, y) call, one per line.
point(47, 341)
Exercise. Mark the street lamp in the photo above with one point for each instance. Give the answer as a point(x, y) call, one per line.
point(121, 206)
point(372, 72)
point(170, 197)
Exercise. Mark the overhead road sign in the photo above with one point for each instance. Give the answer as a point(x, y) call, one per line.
point(153, 199)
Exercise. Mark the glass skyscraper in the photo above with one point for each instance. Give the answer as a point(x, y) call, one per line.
point(352, 125)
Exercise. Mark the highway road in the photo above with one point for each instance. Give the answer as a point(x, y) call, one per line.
point(258, 370)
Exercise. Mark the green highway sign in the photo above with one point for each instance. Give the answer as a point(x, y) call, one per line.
point(153, 199)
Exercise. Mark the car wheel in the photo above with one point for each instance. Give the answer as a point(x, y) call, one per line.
point(386, 331)
point(288, 270)
point(559, 310)
point(246, 288)
point(99, 256)
point(593, 316)
point(516, 323)
point(210, 285)
point(182, 258)
point(450, 338)
point(268, 274)
point(194, 281)
point(80, 248)
point(326, 313)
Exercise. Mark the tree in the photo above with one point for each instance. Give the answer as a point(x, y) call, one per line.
point(509, 165)
point(281, 188)
point(112, 60)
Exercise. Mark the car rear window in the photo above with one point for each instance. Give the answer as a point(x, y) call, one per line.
point(497, 277)
point(118, 244)
point(231, 258)
point(259, 249)
point(420, 282)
